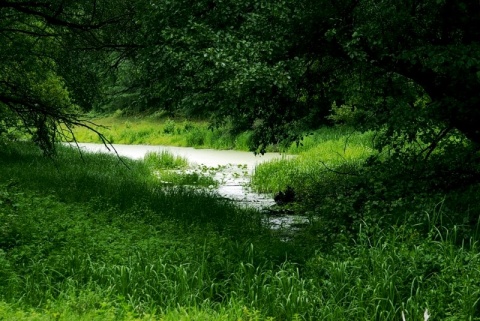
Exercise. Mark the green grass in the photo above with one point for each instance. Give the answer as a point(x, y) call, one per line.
point(338, 192)
point(92, 239)
point(134, 130)
point(144, 130)
point(162, 131)
point(325, 151)
point(187, 179)
point(165, 160)
point(76, 262)
point(174, 170)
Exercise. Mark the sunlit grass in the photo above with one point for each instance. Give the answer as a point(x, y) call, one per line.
point(192, 133)
point(163, 131)
point(174, 170)
point(327, 150)
point(165, 160)
point(144, 130)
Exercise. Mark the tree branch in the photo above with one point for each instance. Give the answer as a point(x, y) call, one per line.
point(30, 33)
point(54, 19)
point(435, 142)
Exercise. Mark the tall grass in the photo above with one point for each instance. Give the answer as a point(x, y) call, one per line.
point(94, 240)
point(118, 182)
point(342, 136)
point(163, 131)
point(165, 160)
point(328, 150)
point(74, 261)
point(135, 130)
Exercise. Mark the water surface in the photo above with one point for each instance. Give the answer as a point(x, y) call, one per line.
point(234, 169)
point(207, 157)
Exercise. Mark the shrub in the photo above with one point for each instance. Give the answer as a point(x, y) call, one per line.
point(169, 126)
point(196, 136)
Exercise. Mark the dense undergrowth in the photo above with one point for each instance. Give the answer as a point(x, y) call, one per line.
point(99, 238)
point(343, 181)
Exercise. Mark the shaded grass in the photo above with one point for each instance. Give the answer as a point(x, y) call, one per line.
point(106, 178)
point(75, 262)
point(93, 240)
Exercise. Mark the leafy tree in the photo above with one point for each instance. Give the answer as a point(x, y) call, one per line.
point(409, 68)
point(47, 51)
point(218, 58)
point(420, 61)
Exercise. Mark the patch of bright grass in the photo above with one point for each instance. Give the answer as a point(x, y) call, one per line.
point(326, 150)
point(155, 131)
point(165, 160)
point(173, 170)
point(139, 130)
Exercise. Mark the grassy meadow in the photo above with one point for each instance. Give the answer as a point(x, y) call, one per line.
point(95, 237)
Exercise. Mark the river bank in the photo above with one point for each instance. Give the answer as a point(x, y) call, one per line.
point(231, 170)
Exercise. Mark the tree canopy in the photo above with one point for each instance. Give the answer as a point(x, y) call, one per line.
point(409, 69)
point(52, 57)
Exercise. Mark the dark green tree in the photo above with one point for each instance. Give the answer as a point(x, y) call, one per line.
point(52, 55)
point(408, 68)
point(417, 62)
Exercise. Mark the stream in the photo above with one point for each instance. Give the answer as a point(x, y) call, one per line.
point(233, 170)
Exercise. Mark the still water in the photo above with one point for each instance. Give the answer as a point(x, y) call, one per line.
point(207, 157)
point(233, 170)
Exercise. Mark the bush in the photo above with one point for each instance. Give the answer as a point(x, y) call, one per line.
point(196, 136)
point(169, 126)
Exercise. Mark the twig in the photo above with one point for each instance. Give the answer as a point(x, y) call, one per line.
point(106, 142)
point(435, 142)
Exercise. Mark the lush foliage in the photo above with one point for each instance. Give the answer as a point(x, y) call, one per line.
point(51, 65)
point(280, 67)
point(344, 183)
point(94, 240)
point(407, 69)
point(393, 209)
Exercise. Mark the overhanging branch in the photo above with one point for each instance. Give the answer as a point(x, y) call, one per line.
point(53, 19)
